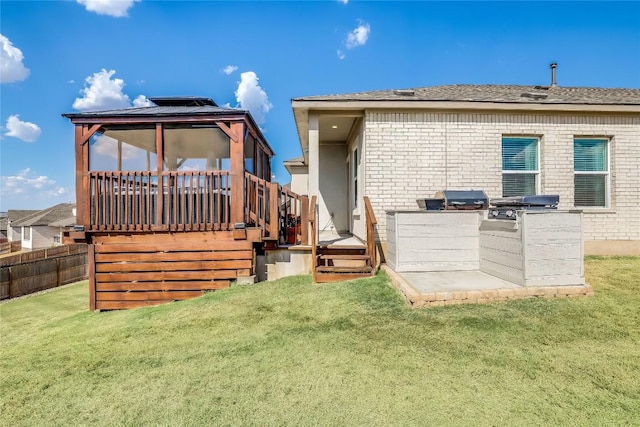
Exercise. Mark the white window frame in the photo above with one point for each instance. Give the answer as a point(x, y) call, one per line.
point(522, 172)
point(26, 233)
point(607, 173)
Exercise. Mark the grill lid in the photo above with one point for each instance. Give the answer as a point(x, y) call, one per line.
point(549, 201)
point(464, 199)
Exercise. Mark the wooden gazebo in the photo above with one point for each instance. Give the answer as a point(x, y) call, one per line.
point(174, 200)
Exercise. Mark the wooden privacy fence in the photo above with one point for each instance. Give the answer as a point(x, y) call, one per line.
point(30, 272)
point(8, 247)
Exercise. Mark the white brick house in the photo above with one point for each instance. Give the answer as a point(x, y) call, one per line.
point(397, 146)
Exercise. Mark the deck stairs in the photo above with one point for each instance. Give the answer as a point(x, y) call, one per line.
point(335, 263)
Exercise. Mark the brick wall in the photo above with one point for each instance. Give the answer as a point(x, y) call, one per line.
point(412, 155)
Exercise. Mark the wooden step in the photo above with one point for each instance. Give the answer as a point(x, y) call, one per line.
point(341, 251)
point(345, 247)
point(339, 277)
point(346, 256)
point(333, 269)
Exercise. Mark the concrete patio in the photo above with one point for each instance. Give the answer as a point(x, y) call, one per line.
point(438, 288)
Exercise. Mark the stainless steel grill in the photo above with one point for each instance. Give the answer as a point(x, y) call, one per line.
point(507, 207)
point(455, 200)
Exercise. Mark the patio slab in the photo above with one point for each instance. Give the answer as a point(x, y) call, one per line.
point(448, 281)
point(430, 289)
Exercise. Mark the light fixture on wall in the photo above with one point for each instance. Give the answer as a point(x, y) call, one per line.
point(334, 127)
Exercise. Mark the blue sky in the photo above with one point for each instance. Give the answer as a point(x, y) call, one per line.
point(65, 56)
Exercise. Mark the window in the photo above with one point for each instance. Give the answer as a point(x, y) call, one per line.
point(26, 233)
point(56, 239)
point(520, 168)
point(591, 172)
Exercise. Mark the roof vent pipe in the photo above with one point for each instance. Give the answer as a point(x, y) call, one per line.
point(553, 74)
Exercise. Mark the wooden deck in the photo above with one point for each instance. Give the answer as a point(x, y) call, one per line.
point(159, 238)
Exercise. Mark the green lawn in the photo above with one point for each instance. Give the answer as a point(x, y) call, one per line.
point(352, 353)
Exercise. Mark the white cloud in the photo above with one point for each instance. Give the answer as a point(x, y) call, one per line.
point(142, 101)
point(27, 184)
point(26, 131)
point(359, 36)
point(344, 1)
point(341, 54)
point(11, 67)
point(252, 97)
point(102, 93)
point(229, 69)
point(115, 8)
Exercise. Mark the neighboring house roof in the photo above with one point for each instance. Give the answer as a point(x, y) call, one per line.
point(494, 93)
point(47, 216)
point(17, 214)
point(66, 222)
point(3, 224)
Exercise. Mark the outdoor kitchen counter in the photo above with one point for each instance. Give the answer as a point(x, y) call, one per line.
point(446, 240)
point(537, 248)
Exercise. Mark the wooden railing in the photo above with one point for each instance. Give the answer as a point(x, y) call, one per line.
point(313, 231)
point(257, 206)
point(193, 200)
point(371, 236)
point(293, 211)
point(140, 201)
point(280, 212)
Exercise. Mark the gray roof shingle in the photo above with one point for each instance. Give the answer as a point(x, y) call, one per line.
point(494, 93)
point(17, 214)
point(47, 216)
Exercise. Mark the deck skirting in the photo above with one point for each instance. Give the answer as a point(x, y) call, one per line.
point(136, 270)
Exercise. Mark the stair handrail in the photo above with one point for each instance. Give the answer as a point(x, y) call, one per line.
point(371, 221)
point(312, 228)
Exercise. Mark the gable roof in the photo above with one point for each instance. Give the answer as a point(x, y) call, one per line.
point(17, 214)
point(494, 93)
point(47, 216)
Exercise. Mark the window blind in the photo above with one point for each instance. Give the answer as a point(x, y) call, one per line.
point(519, 154)
point(519, 166)
point(591, 166)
